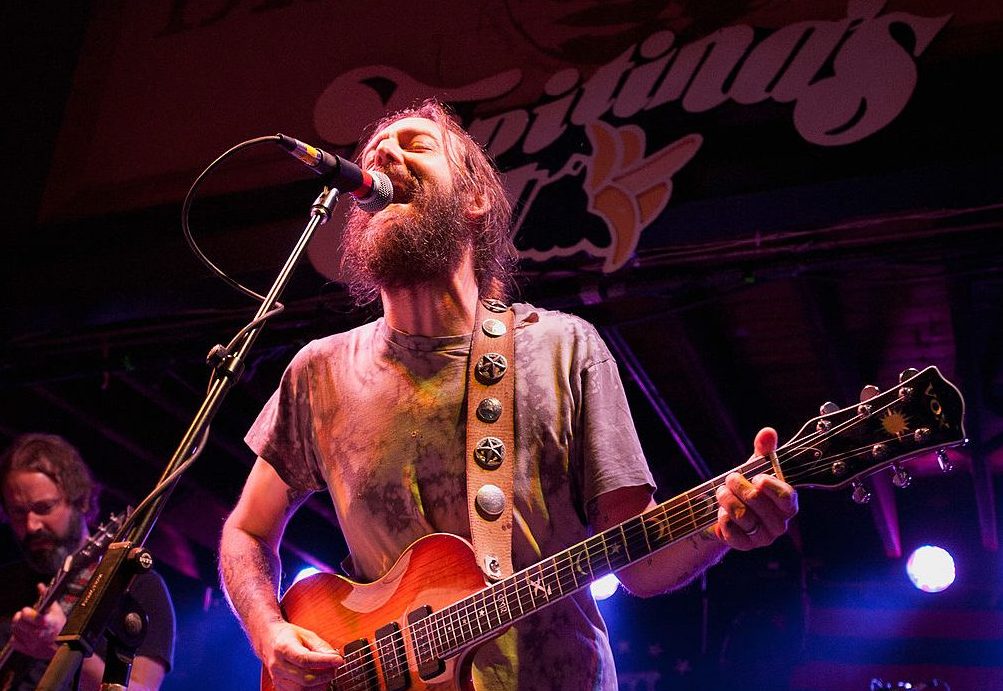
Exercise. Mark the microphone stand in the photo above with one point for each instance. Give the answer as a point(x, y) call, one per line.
point(101, 599)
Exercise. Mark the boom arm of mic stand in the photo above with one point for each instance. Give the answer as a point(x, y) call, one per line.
point(109, 582)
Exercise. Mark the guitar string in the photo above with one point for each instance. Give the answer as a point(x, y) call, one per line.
point(703, 511)
point(750, 468)
point(706, 512)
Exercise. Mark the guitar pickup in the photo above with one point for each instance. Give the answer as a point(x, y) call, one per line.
point(393, 657)
point(429, 664)
point(364, 671)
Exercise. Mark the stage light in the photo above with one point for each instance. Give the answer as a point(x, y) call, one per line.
point(931, 569)
point(303, 573)
point(605, 586)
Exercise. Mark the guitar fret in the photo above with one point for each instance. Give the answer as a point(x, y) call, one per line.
point(557, 576)
point(518, 598)
point(571, 567)
point(434, 640)
point(626, 548)
point(644, 532)
point(494, 602)
point(451, 623)
point(466, 620)
point(529, 589)
point(479, 611)
point(606, 552)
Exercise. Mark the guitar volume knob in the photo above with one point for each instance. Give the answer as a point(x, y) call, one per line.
point(860, 494)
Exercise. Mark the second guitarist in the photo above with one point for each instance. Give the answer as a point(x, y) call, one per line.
point(48, 496)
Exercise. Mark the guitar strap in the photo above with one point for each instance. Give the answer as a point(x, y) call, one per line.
point(491, 437)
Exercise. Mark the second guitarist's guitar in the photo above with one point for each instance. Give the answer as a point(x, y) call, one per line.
point(12, 663)
point(416, 627)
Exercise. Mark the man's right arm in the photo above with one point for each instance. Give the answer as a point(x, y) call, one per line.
point(250, 570)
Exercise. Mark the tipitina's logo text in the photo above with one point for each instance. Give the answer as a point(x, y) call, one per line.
point(845, 80)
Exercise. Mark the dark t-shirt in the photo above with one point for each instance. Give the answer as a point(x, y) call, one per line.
point(19, 589)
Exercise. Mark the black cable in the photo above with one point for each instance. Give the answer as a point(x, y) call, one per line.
point(186, 209)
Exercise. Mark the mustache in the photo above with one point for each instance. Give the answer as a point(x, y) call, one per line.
point(40, 536)
point(405, 183)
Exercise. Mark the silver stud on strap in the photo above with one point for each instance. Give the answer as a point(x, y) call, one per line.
point(493, 327)
point(489, 410)
point(490, 500)
point(493, 305)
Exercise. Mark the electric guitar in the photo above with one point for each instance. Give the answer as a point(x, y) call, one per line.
point(13, 665)
point(416, 627)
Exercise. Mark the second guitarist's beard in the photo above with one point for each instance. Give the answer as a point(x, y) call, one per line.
point(49, 559)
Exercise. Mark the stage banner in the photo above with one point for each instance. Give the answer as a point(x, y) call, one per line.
point(619, 126)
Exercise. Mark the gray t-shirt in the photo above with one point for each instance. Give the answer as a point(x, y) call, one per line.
point(377, 418)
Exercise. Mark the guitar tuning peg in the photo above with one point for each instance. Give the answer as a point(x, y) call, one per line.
point(861, 494)
point(944, 462)
point(828, 408)
point(869, 392)
point(900, 478)
point(908, 374)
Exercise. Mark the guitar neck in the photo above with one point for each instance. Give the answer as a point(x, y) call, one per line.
point(52, 592)
point(480, 616)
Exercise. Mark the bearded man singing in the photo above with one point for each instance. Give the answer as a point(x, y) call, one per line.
point(376, 417)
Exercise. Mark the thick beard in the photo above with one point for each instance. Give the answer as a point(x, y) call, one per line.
point(49, 560)
point(396, 248)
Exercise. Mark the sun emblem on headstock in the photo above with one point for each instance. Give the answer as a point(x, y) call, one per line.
point(895, 422)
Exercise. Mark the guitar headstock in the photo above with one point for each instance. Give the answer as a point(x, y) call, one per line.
point(96, 543)
point(925, 412)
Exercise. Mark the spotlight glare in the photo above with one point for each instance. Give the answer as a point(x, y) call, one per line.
point(303, 573)
point(931, 569)
point(604, 587)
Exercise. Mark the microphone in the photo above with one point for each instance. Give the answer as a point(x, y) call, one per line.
point(372, 189)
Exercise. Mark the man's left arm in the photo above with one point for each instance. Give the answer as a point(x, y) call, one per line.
point(750, 514)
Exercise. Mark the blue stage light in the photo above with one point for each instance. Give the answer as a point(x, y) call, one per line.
point(931, 569)
point(303, 573)
point(604, 587)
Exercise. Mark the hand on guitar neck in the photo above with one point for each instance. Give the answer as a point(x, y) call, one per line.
point(753, 513)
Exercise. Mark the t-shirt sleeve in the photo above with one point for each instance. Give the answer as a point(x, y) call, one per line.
point(283, 433)
point(611, 452)
point(151, 593)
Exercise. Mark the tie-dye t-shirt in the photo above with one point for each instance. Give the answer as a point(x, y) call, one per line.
point(377, 418)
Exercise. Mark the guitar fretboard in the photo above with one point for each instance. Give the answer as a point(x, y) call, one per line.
point(479, 616)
